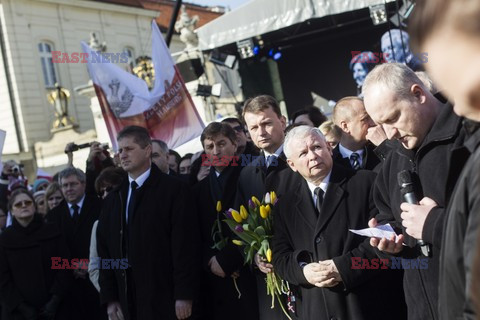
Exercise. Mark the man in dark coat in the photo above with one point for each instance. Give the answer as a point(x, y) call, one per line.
point(149, 221)
point(313, 247)
point(354, 150)
point(222, 264)
point(267, 172)
point(445, 32)
point(75, 217)
point(428, 136)
point(260, 175)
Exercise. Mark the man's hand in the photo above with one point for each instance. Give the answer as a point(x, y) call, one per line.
point(414, 216)
point(262, 264)
point(386, 245)
point(215, 267)
point(80, 273)
point(96, 151)
point(114, 311)
point(376, 135)
point(183, 309)
point(321, 274)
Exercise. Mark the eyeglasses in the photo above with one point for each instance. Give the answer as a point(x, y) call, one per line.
point(71, 184)
point(21, 204)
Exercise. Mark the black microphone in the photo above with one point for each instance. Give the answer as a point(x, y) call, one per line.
point(407, 188)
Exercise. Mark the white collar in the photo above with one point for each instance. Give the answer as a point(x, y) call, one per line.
point(276, 153)
point(79, 204)
point(346, 153)
point(141, 178)
point(323, 185)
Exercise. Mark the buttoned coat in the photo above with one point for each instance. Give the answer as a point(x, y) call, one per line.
point(302, 237)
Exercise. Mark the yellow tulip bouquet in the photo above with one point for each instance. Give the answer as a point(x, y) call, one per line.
point(254, 228)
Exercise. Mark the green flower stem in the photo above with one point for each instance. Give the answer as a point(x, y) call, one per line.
point(236, 287)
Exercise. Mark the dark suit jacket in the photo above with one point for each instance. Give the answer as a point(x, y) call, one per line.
point(369, 159)
point(162, 248)
point(302, 237)
point(84, 298)
point(219, 296)
point(255, 180)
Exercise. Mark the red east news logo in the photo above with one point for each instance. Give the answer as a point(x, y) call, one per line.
point(84, 57)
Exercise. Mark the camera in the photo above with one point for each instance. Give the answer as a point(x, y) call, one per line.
point(75, 147)
point(17, 168)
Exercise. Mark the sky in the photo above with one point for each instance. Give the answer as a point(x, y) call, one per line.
point(233, 4)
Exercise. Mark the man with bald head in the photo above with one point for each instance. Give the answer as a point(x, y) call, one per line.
point(428, 138)
point(353, 151)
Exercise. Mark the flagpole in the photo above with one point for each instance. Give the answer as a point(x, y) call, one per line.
point(172, 22)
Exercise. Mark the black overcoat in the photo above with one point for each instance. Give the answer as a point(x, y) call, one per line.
point(26, 273)
point(302, 237)
point(255, 180)
point(84, 299)
point(219, 298)
point(161, 245)
point(459, 245)
point(436, 166)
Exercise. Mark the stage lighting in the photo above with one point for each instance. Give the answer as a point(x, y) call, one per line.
point(275, 54)
point(223, 59)
point(399, 18)
point(378, 13)
point(245, 48)
point(207, 91)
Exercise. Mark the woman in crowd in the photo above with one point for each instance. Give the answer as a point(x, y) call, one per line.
point(53, 195)
point(40, 202)
point(108, 179)
point(29, 287)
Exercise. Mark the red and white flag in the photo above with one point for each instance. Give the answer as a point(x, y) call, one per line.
point(167, 111)
point(42, 174)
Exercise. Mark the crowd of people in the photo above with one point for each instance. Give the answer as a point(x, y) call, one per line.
point(130, 237)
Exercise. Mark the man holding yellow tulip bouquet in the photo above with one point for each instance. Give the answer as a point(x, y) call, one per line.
point(228, 287)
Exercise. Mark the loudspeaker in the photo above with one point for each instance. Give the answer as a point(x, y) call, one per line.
point(190, 69)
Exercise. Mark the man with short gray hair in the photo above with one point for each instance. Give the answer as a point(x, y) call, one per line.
point(313, 247)
point(427, 136)
point(75, 217)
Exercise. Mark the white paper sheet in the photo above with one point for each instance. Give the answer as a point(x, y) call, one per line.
point(383, 231)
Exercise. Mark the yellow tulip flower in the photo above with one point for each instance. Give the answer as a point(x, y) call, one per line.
point(269, 255)
point(263, 212)
point(243, 212)
point(236, 216)
point(238, 242)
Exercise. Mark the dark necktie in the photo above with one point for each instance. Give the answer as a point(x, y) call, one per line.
point(354, 161)
point(76, 213)
point(318, 203)
point(131, 203)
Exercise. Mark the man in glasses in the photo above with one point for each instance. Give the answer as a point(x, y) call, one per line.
point(75, 216)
